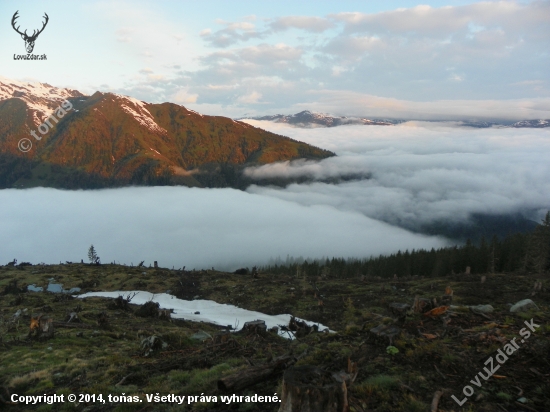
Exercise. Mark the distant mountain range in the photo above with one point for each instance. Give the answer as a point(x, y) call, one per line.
point(108, 140)
point(308, 119)
point(312, 119)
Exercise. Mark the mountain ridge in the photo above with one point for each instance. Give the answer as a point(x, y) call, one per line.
point(115, 140)
point(308, 118)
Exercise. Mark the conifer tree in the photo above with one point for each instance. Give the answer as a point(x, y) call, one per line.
point(537, 257)
point(92, 256)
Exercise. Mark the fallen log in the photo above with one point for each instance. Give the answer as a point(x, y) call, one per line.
point(72, 325)
point(255, 374)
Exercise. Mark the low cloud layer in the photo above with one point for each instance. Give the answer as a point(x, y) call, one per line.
point(420, 172)
point(179, 226)
point(330, 168)
point(413, 174)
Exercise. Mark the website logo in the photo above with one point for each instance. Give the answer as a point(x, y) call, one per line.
point(29, 40)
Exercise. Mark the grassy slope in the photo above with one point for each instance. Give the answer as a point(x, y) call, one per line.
point(98, 361)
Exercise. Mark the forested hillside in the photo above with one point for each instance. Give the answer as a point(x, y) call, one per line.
point(529, 253)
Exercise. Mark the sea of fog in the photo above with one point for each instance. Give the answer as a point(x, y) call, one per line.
point(418, 173)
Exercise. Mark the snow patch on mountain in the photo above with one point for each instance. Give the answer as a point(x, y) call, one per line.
point(42, 99)
point(137, 109)
point(532, 123)
point(192, 111)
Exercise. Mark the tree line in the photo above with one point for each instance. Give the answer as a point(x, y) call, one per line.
point(520, 253)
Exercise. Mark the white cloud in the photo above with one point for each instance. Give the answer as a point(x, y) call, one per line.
point(232, 33)
point(253, 97)
point(308, 23)
point(146, 38)
point(352, 103)
point(344, 63)
point(183, 97)
point(388, 64)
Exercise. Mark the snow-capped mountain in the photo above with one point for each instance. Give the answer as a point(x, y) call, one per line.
point(532, 123)
point(308, 119)
point(41, 98)
point(109, 139)
point(312, 119)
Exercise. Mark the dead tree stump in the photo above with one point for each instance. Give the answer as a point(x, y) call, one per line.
point(311, 389)
point(42, 327)
point(255, 327)
point(148, 309)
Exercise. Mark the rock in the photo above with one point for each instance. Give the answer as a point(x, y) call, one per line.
point(482, 308)
point(201, 335)
point(523, 306)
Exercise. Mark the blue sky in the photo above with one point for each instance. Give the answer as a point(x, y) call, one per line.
point(437, 59)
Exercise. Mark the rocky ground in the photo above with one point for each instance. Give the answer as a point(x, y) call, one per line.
point(394, 356)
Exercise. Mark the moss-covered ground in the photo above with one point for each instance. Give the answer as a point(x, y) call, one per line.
point(106, 357)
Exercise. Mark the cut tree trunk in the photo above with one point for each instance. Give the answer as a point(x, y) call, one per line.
point(255, 374)
point(311, 389)
point(255, 327)
point(72, 325)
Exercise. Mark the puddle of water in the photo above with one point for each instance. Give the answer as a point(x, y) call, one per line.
point(33, 288)
point(53, 288)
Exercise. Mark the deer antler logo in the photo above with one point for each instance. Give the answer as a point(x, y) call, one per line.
point(29, 40)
